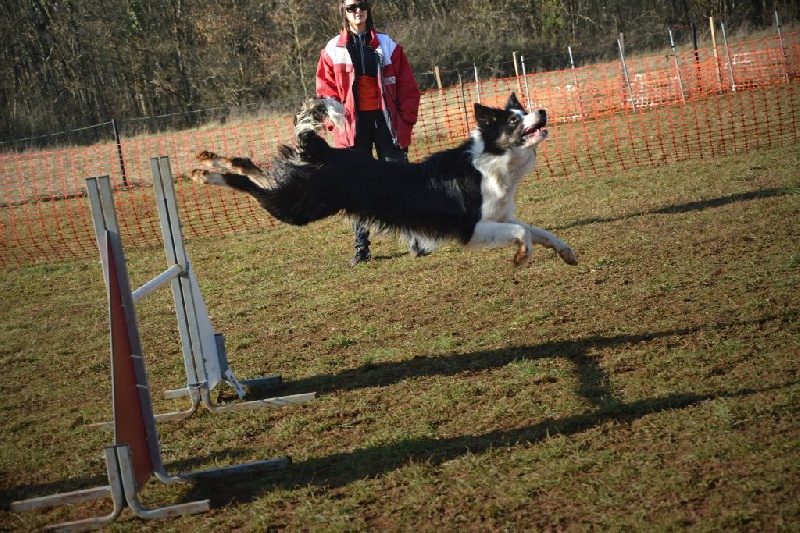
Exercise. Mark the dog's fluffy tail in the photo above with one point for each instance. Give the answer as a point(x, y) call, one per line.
point(312, 119)
point(315, 112)
point(290, 189)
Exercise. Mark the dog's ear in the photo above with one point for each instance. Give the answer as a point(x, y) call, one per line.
point(513, 103)
point(484, 116)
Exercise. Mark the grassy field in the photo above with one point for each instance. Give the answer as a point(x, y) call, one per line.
point(653, 387)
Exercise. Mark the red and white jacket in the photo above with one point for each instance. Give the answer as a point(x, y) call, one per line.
point(400, 94)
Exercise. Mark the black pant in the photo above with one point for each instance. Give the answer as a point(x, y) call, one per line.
point(372, 131)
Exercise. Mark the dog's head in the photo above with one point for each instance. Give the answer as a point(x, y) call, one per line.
point(511, 127)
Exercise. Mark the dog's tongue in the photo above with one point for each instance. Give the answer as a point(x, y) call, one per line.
point(541, 122)
point(530, 131)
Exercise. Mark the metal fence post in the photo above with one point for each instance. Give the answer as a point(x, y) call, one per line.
point(525, 79)
point(477, 82)
point(625, 73)
point(783, 50)
point(119, 152)
point(575, 79)
point(677, 67)
point(728, 55)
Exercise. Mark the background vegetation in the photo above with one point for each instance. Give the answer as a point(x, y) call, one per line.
point(68, 64)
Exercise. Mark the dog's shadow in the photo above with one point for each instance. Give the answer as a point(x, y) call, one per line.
point(592, 378)
point(339, 469)
point(593, 381)
point(684, 208)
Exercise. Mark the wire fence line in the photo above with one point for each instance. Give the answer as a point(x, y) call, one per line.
point(633, 113)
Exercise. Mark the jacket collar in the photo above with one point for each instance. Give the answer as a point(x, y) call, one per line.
point(373, 38)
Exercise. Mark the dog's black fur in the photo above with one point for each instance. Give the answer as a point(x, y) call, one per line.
point(447, 196)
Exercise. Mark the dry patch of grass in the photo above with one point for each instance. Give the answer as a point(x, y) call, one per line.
point(653, 386)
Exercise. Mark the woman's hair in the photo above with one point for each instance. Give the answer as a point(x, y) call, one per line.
point(346, 23)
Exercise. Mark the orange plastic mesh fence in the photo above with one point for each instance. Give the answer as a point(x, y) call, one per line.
point(644, 112)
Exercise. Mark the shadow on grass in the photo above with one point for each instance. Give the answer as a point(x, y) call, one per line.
point(593, 380)
point(592, 377)
point(340, 469)
point(684, 208)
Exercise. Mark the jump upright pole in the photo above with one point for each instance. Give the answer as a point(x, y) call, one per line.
point(135, 454)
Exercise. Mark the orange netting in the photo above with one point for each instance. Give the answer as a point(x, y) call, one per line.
point(605, 118)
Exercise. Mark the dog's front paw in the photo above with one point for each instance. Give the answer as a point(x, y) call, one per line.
point(522, 255)
point(568, 256)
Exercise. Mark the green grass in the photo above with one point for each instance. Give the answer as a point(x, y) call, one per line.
point(653, 387)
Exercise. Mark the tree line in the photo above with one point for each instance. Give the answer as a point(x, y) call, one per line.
point(72, 63)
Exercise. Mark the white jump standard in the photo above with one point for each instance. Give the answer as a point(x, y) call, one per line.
point(204, 356)
point(136, 452)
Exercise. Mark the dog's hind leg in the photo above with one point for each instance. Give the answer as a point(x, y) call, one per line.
point(240, 165)
point(235, 165)
point(493, 234)
point(547, 239)
point(240, 182)
point(212, 160)
point(208, 177)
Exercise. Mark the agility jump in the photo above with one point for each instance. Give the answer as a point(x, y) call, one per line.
point(136, 453)
point(204, 355)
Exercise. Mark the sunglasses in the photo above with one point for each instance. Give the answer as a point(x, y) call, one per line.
point(352, 8)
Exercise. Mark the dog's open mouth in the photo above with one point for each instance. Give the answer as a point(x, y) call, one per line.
point(530, 132)
point(533, 133)
point(538, 126)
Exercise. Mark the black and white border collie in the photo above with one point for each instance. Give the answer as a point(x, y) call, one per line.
point(464, 194)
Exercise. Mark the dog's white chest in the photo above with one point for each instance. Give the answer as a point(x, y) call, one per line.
point(498, 198)
point(501, 178)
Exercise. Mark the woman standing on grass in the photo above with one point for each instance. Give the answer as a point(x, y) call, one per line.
point(370, 75)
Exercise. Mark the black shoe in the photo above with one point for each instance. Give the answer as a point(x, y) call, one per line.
point(361, 256)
